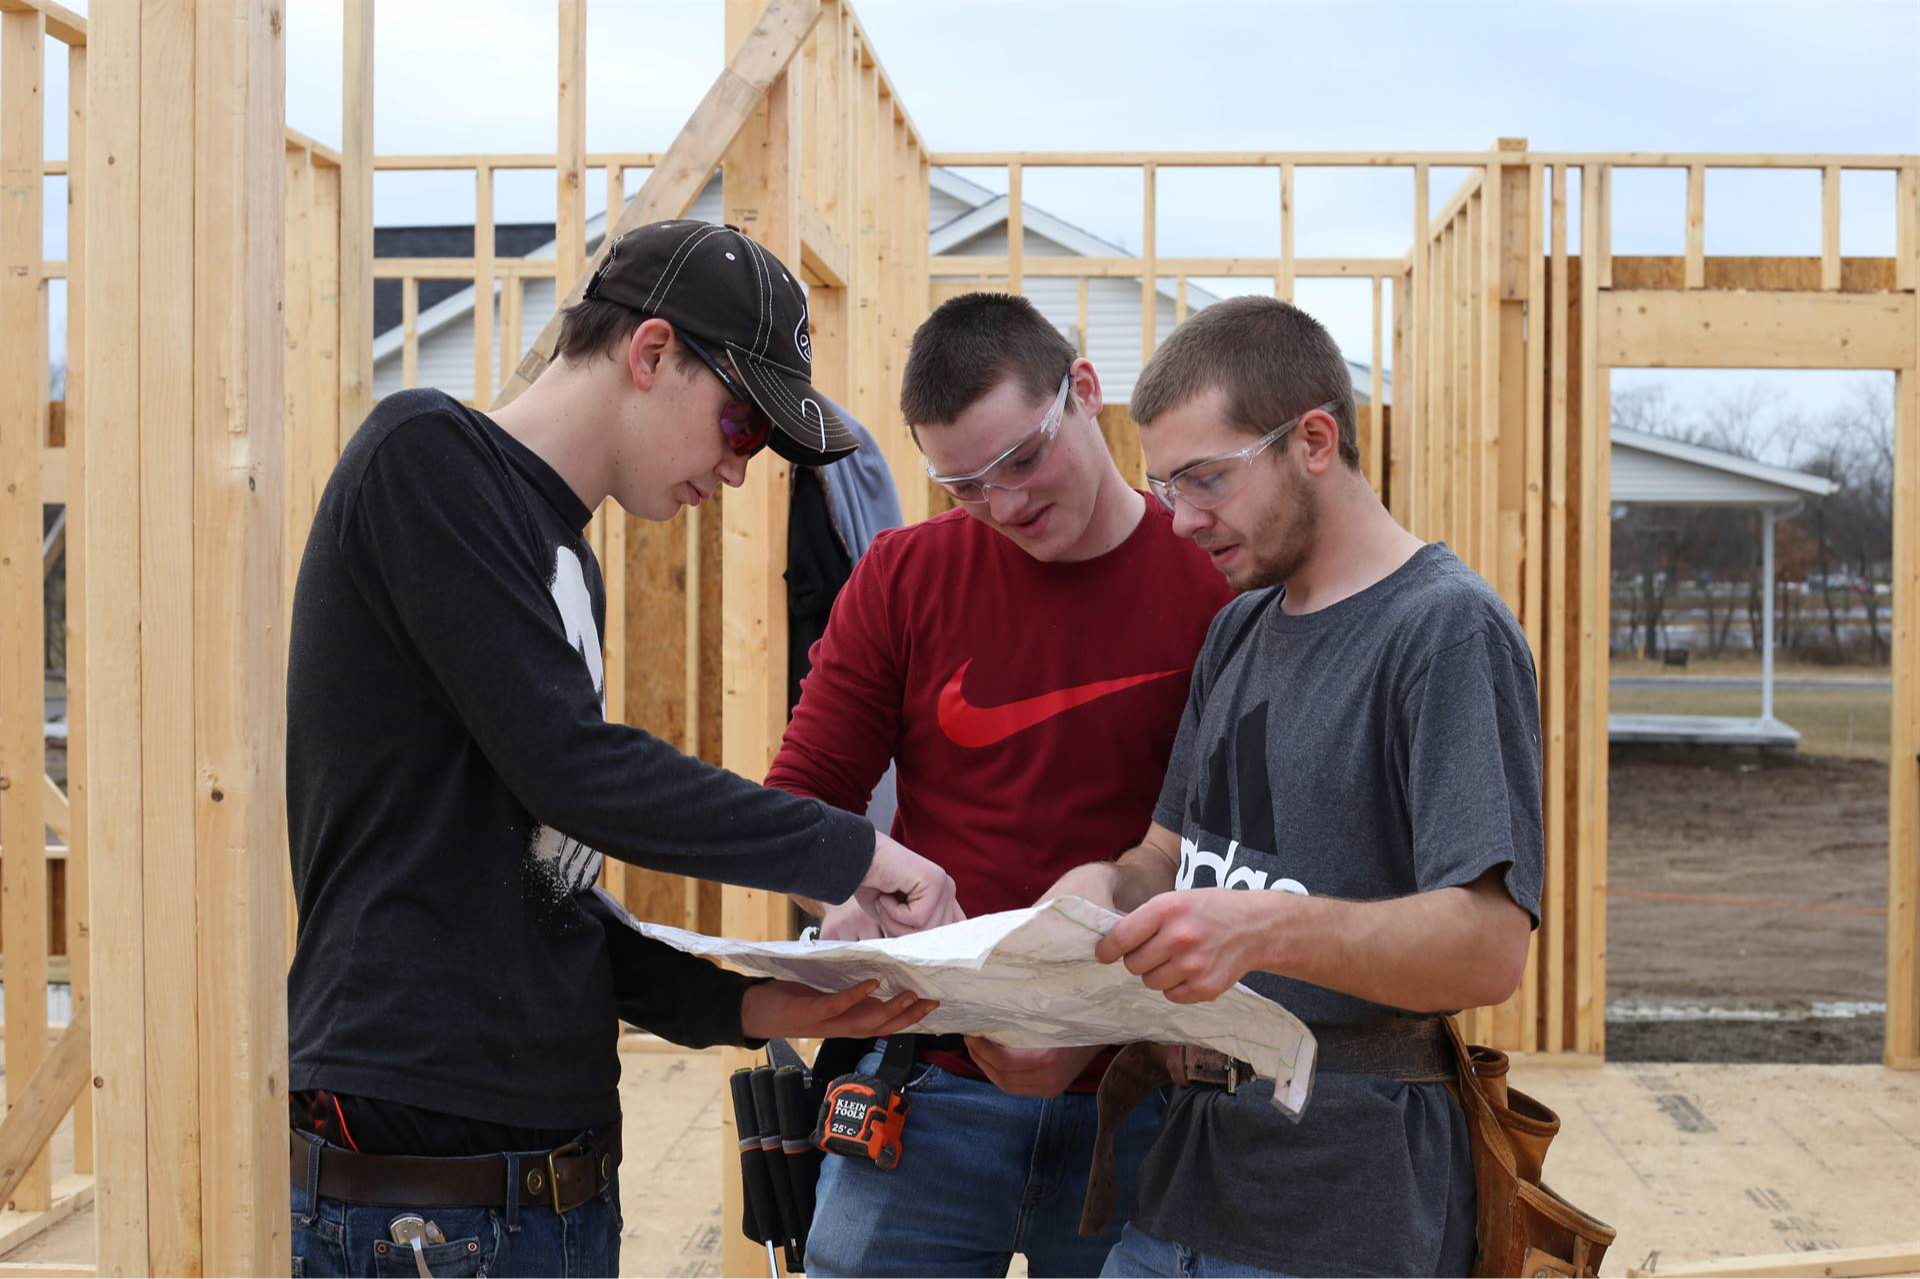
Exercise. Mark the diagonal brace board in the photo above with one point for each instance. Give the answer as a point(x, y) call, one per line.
point(696, 151)
point(44, 1102)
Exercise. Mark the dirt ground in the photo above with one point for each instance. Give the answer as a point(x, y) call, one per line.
point(1746, 887)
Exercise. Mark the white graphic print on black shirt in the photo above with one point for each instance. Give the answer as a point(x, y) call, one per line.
point(573, 862)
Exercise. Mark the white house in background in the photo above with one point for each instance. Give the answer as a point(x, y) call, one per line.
point(1651, 470)
point(963, 219)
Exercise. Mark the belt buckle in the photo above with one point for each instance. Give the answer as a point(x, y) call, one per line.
point(553, 1174)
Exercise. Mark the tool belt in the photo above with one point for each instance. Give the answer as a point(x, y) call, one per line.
point(562, 1178)
point(1521, 1227)
point(1414, 1050)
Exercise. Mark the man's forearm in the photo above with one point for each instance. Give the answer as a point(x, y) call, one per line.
point(1124, 884)
point(1430, 952)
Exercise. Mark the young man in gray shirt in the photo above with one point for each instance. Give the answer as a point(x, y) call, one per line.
point(1350, 823)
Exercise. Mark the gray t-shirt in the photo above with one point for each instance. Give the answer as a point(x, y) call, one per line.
point(1386, 745)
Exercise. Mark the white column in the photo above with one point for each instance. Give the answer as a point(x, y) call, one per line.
point(1767, 517)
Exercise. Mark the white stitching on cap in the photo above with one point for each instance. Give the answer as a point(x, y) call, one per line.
point(693, 229)
point(785, 396)
point(763, 328)
point(693, 241)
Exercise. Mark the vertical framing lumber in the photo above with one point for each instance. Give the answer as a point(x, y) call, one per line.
point(570, 160)
point(1405, 392)
point(762, 175)
point(1411, 382)
point(1283, 282)
point(1906, 238)
point(1016, 232)
point(1830, 227)
point(1696, 268)
point(1903, 810)
point(1553, 674)
point(1589, 1013)
point(111, 501)
point(1603, 247)
point(79, 901)
point(23, 418)
point(483, 338)
point(239, 663)
point(1149, 264)
point(1372, 447)
point(185, 161)
point(356, 219)
point(410, 332)
point(1080, 314)
point(166, 345)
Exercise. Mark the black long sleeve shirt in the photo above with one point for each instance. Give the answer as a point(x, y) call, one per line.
point(452, 783)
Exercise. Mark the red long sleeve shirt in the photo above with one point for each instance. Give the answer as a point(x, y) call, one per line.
point(1031, 707)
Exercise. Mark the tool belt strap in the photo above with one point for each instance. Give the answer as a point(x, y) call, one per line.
point(562, 1178)
point(1408, 1049)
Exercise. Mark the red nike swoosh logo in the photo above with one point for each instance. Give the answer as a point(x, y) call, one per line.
point(973, 726)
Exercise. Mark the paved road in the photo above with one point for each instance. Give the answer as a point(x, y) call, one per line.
point(1795, 685)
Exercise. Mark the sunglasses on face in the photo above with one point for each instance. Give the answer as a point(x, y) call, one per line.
point(742, 421)
point(1014, 469)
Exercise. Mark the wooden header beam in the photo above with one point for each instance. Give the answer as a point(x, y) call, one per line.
point(696, 151)
point(1405, 159)
point(1648, 328)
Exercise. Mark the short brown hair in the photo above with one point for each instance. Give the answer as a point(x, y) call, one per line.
point(599, 328)
point(971, 344)
point(1270, 359)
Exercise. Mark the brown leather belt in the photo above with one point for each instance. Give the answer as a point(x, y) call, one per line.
point(562, 1178)
point(1413, 1050)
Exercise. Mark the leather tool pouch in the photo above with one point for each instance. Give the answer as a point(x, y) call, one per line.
point(1523, 1228)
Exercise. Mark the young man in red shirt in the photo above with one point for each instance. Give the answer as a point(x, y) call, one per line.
point(1024, 660)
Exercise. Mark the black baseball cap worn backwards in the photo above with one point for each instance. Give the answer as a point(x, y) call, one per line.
point(723, 289)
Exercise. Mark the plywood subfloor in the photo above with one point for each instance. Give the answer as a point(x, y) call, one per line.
point(1689, 1162)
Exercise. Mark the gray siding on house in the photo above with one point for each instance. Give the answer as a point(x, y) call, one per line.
point(446, 354)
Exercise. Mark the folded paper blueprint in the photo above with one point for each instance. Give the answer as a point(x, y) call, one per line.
point(1028, 979)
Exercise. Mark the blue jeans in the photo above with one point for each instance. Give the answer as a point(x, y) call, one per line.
point(982, 1176)
point(1141, 1254)
point(333, 1239)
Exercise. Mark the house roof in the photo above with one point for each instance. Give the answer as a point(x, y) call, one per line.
point(1651, 470)
point(510, 240)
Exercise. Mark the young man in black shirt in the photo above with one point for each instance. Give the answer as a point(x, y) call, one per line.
point(452, 783)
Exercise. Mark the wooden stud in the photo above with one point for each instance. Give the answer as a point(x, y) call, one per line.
point(1589, 1013)
point(1150, 271)
point(1405, 391)
point(114, 163)
point(1830, 227)
point(1603, 251)
point(1283, 280)
point(570, 177)
point(410, 332)
point(1903, 808)
point(79, 877)
point(1557, 566)
point(761, 193)
point(483, 285)
point(1413, 383)
point(239, 674)
point(1372, 449)
point(1180, 300)
point(356, 219)
point(1906, 251)
point(1080, 313)
point(1016, 232)
point(1696, 226)
point(23, 415)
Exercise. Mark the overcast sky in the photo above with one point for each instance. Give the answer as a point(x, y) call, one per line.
point(1836, 76)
